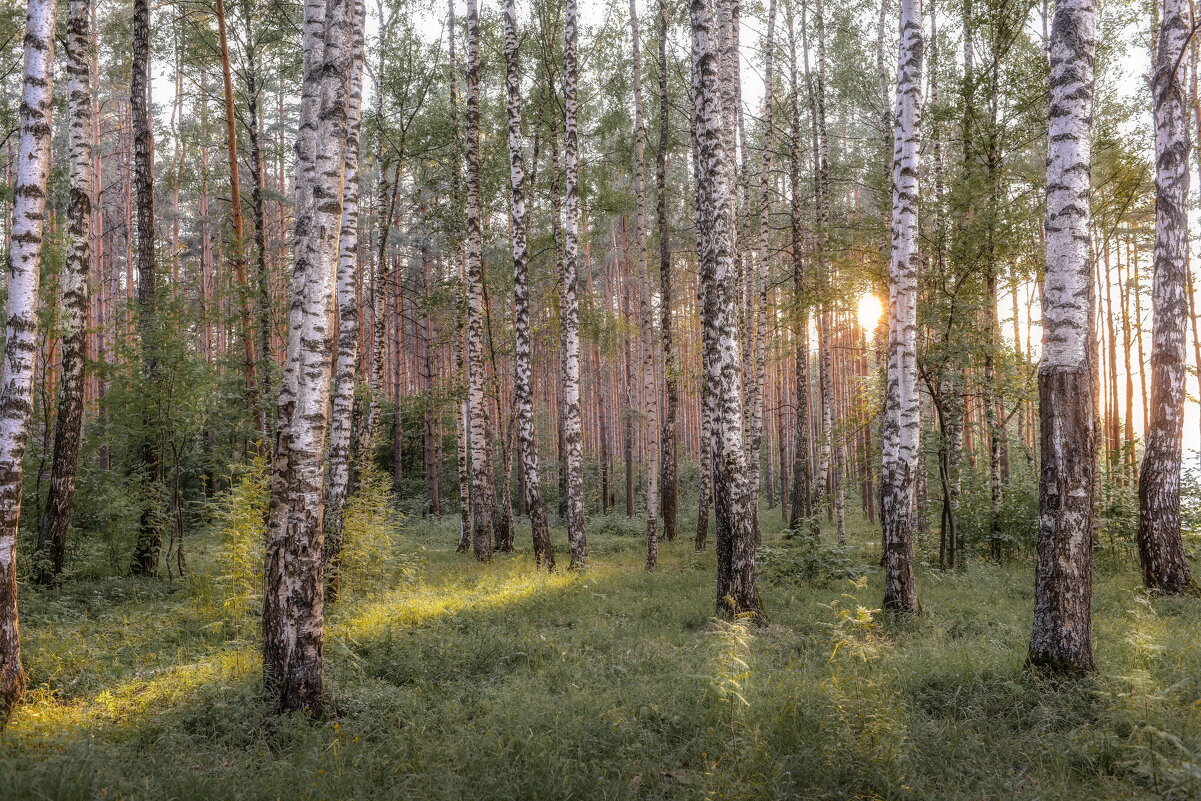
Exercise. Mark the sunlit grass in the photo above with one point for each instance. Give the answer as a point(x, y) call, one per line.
point(450, 679)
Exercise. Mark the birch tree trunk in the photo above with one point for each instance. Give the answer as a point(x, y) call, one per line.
point(737, 593)
point(670, 483)
point(1160, 548)
point(482, 494)
point(801, 514)
point(68, 430)
point(651, 391)
point(758, 325)
point(294, 594)
point(901, 431)
point(576, 536)
point(342, 402)
point(544, 554)
point(20, 343)
point(1062, 640)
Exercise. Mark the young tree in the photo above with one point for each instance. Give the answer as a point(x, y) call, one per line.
point(544, 554)
point(294, 585)
point(20, 344)
point(1160, 547)
point(1062, 639)
point(569, 279)
point(68, 431)
point(646, 322)
point(901, 431)
point(737, 592)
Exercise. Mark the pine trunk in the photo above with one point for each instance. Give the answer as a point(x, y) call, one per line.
point(149, 540)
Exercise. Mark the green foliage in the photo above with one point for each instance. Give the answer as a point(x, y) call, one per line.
point(618, 525)
point(370, 528)
point(232, 592)
point(806, 560)
point(610, 684)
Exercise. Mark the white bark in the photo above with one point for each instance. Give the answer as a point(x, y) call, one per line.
point(482, 496)
point(648, 339)
point(294, 597)
point(1161, 549)
point(901, 431)
point(569, 278)
point(1061, 638)
point(342, 403)
point(737, 592)
point(20, 345)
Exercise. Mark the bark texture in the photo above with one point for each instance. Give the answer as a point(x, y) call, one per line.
point(901, 431)
point(68, 430)
point(342, 403)
point(647, 340)
point(20, 344)
point(1160, 547)
point(482, 492)
point(294, 594)
point(1062, 638)
point(737, 592)
point(569, 278)
point(544, 554)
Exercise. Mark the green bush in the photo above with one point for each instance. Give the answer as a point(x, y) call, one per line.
point(232, 592)
point(370, 528)
point(806, 560)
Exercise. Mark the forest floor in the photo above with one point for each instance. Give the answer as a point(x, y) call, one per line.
point(453, 680)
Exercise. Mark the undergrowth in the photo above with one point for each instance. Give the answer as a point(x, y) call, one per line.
point(454, 680)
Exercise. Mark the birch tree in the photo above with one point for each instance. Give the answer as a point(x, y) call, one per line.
point(482, 495)
point(670, 470)
point(294, 594)
point(569, 280)
point(737, 592)
point(544, 555)
point(646, 321)
point(21, 312)
point(68, 430)
point(901, 430)
point(1062, 638)
point(1160, 547)
point(342, 402)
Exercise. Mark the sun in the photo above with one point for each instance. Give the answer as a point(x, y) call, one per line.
point(870, 310)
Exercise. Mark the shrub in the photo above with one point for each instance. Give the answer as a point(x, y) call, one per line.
point(233, 591)
point(808, 562)
point(370, 527)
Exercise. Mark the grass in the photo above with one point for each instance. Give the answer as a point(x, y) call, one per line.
point(466, 681)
